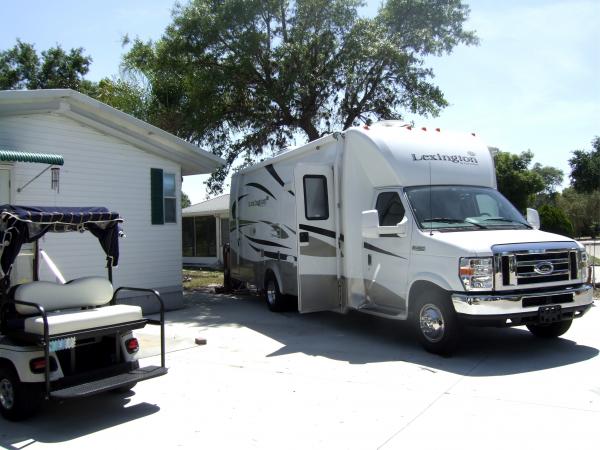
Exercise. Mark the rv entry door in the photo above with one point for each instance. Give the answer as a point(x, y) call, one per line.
point(316, 215)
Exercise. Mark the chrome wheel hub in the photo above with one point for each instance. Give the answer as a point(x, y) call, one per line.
point(431, 321)
point(7, 394)
point(271, 292)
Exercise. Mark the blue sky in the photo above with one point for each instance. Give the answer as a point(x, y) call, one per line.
point(532, 83)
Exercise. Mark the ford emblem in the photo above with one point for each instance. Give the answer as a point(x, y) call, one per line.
point(544, 268)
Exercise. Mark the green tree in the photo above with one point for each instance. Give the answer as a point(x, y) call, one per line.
point(554, 220)
point(515, 180)
point(585, 168)
point(244, 76)
point(583, 210)
point(127, 96)
point(22, 68)
point(185, 200)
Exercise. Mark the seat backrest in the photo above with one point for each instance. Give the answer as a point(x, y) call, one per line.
point(78, 293)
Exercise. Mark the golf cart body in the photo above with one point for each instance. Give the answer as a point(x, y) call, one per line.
point(63, 341)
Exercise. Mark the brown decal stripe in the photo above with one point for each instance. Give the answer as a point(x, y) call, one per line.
point(273, 255)
point(379, 250)
point(263, 242)
point(274, 174)
point(321, 231)
point(261, 188)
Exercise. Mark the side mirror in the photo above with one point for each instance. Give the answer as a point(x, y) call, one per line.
point(402, 227)
point(370, 224)
point(533, 218)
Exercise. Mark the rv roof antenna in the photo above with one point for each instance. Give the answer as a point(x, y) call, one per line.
point(430, 205)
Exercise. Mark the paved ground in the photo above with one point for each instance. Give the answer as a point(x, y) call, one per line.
point(286, 381)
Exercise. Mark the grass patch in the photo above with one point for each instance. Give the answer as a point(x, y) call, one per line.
point(593, 260)
point(201, 278)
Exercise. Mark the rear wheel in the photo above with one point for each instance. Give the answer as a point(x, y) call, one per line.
point(551, 330)
point(276, 301)
point(436, 324)
point(18, 401)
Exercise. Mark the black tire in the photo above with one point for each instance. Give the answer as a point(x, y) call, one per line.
point(18, 401)
point(276, 301)
point(551, 330)
point(436, 324)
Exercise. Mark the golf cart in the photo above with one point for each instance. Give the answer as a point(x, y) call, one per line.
point(65, 341)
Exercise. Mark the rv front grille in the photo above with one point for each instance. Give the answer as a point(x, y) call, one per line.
point(527, 268)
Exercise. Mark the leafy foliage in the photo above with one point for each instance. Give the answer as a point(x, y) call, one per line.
point(244, 76)
point(583, 210)
point(554, 220)
point(126, 96)
point(515, 180)
point(185, 200)
point(585, 168)
point(22, 68)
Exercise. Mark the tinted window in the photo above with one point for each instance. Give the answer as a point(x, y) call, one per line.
point(390, 209)
point(316, 206)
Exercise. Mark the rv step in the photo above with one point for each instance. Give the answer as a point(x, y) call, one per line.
point(107, 384)
point(377, 309)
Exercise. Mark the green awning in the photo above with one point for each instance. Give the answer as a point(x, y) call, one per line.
point(44, 158)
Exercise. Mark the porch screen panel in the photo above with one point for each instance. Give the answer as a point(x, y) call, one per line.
point(206, 236)
point(187, 236)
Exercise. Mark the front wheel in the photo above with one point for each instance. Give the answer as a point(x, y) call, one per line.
point(551, 330)
point(436, 324)
point(18, 401)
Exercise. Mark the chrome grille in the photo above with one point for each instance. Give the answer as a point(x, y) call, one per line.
point(525, 265)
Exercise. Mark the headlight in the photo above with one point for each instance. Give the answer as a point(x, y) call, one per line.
point(584, 272)
point(476, 273)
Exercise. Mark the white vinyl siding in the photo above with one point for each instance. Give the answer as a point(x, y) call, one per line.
point(99, 170)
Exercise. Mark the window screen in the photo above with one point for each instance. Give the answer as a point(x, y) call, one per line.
point(205, 236)
point(390, 209)
point(316, 206)
point(188, 236)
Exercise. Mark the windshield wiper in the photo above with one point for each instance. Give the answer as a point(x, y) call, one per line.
point(504, 219)
point(449, 220)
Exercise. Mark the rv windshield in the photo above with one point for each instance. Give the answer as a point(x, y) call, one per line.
point(460, 208)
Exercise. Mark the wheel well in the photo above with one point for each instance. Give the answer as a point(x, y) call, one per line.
point(423, 288)
point(7, 363)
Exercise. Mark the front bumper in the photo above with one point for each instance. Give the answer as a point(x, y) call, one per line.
point(521, 307)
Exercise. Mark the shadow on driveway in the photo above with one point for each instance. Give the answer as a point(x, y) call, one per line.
point(60, 422)
point(360, 339)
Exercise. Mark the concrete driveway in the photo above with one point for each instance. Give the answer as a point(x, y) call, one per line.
point(290, 381)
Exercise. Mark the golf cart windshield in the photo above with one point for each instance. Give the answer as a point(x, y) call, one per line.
point(24, 224)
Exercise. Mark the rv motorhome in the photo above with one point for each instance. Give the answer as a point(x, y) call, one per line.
point(403, 223)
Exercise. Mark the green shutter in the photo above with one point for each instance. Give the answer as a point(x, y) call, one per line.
point(156, 196)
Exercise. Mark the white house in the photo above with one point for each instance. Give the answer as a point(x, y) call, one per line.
point(110, 159)
point(205, 231)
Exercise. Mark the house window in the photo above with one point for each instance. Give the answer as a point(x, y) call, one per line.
point(199, 236)
point(390, 209)
point(163, 197)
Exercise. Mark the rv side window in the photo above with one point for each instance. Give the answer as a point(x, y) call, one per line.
point(390, 209)
point(316, 206)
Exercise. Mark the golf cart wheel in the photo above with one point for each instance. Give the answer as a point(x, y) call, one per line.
point(551, 330)
point(18, 401)
point(436, 324)
point(276, 301)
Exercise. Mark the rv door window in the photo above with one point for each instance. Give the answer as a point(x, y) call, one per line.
point(316, 206)
point(390, 209)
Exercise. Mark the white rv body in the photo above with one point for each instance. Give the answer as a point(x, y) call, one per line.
point(323, 250)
